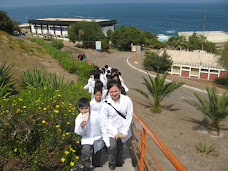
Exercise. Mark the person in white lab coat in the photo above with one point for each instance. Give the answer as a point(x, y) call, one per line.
point(88, 124)
point(117, 127)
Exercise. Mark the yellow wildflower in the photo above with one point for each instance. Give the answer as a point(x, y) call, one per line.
point(68, 123)
point(57, 126)
point(7, 123)
point(77, 157)
point(63, 135)
point(57, 106)
point(51, 115)
point(7, 111)
point(67, 133)
point(45, 88)
point(24, 107)
point(69, 110)
point(72, 163)
point(39, 107)
point(63, 159)
point(15, 150)
point(45, 108)
point(77, 142)
point(43, 121)
point(60, 130)
point(59, 95)
point(57, 90)
point(56, 111)
point(66, 152)
point(74, 151)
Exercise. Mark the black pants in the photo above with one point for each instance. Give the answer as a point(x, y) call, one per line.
point(115, 151)
point(87, 152)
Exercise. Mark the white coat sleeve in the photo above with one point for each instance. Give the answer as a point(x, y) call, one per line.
point(127, 123)
point(104, 132)
point(125, 87)
point(78, 129)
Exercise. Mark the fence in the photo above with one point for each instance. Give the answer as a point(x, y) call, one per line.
point(139, 152)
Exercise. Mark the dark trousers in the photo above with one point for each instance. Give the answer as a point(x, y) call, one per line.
point(115, 151)
point(87, 152)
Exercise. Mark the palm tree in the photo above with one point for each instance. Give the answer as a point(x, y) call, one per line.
point(158, 90)
point(216, 109)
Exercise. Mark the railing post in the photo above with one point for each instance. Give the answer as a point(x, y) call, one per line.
point(143, 141)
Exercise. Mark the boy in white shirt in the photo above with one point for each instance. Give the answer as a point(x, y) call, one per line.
point(89, 125)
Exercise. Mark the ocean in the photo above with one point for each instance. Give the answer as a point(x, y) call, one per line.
point(159, 18)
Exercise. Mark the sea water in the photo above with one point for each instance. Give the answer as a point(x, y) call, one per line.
point(164, 19)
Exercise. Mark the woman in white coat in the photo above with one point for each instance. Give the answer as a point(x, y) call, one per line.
point(117, 114)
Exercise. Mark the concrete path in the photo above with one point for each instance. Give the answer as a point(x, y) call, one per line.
point(128, 166)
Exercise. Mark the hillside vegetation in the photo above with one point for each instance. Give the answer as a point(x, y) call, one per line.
point(22, 53)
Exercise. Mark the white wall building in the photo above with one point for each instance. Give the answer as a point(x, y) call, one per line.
point(58, 27)
point(195, 65)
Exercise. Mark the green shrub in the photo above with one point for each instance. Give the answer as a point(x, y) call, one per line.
point(147, 52)
point(37, 128)
point(37, 124)
point(58, 44)
point(222, 81)
point(79, 45)
point(154, 62)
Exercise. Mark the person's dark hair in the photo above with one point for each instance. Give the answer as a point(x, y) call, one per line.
point(112, 83)
point(109, 77)
point(121, 87)
point(108, 71)
point(96, 76)
point(91, 72)
point(82, 102)
point(119, 73)
point(106, 66)
point(97, 89)
point(115, 75)
point(98, 84)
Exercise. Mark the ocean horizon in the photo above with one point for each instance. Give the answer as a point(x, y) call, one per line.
point(159, 18)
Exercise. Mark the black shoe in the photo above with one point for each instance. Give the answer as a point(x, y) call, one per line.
point(98, 165)
point(112, 166)
point(119, 164)
point(85, 169)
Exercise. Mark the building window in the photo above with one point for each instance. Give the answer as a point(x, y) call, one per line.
point(176, 69)
point(204, 70)
point(37, 27)
point(216, 71)
point(194, 71)
point(186, 68)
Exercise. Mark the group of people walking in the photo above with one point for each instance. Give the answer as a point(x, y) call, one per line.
point(105, 120)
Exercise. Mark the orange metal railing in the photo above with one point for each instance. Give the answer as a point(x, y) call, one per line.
point(142, 159)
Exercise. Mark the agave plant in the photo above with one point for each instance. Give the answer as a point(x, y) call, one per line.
point(6, 85)
point(215, 108)
point(158, 90)
point(37, 78)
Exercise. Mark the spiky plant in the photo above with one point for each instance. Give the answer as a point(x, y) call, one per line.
point(158, 90)
point(37, 78)
point(205, 147)
point(215, 108)
point(6, 84)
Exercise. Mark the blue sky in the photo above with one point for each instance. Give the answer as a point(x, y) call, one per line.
point(18, 3)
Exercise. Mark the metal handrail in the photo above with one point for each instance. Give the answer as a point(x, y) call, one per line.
point(145, 129)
